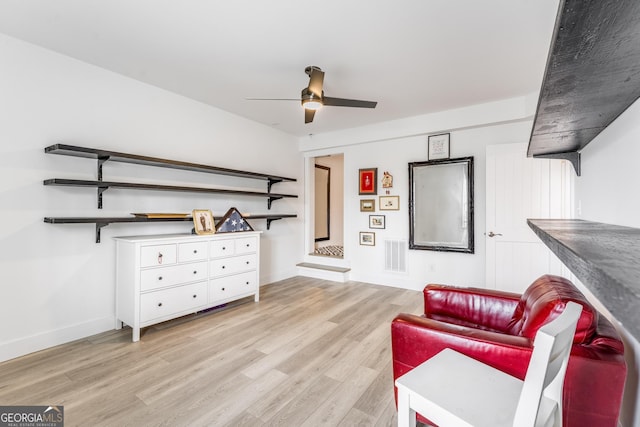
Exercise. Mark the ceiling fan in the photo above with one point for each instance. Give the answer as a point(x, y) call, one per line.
point(312, 97)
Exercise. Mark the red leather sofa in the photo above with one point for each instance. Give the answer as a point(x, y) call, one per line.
point(498, 328)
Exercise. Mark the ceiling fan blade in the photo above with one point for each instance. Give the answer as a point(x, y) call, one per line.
point(308, 115)
point(342, 102)
point(316, 79)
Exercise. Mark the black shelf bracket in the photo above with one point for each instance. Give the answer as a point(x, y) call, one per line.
point(101, 161)
point(271, 199)
point(269, 221)
point(100, 191)
point(272, 181)
point(572, 156)
point(99, 226)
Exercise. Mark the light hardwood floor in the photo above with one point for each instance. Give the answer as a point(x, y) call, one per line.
point(310, 353)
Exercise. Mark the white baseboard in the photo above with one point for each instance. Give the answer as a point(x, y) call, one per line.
point(33, 343)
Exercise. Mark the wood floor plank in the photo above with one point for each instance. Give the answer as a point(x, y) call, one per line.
point(310, 352)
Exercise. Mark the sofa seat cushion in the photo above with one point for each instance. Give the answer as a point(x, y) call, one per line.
point(543, 301)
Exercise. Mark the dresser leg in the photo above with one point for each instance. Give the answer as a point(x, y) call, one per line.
point(135, 334)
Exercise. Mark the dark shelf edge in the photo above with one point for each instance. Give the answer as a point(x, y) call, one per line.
point(605, 259)
point(101, 222)
point(61, 182)
point(93, 153)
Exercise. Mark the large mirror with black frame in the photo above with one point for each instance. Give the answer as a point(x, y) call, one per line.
point(322, 218)
point(441, 205)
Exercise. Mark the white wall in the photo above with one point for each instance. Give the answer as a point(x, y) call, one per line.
point(391, 146)
point(607, 192)
point(56, 283)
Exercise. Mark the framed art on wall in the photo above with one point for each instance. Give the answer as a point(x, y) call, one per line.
point(367, 238)
point(389, 203)
point(368, 205)
point(368, 181)
point(376, 221)
point(438, 146)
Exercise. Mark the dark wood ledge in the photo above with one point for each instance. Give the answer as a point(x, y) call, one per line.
point(606, 258)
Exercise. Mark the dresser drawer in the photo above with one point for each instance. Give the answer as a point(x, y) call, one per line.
point(246, 245)
point(157, 255)
point(195, 251)
point(222, 248)
point(226, 266)
point(154, 305)
point(154, 278)
point(229, 287)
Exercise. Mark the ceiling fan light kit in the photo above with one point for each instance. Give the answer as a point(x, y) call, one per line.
point(312, 97)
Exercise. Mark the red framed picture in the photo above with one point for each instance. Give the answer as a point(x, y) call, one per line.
point(368, 181)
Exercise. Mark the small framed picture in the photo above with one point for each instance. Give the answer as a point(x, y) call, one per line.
point(376, 221)
point(368, 181)
point(368, 205)
point(438, 146)
point(203, 221)
point(367, 238)
point(389, 203)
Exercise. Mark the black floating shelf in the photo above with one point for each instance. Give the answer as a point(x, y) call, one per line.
point(104, 185)
point(104, 221)
point(114, 156)
point(605, 259)
point(592, 76)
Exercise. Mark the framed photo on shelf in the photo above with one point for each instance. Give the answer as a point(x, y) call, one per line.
point(368, 205)
point(389, 203)
point(367, 238)
point(203, 221)
point(438, 146)
point(376, 221)
point(368, 181)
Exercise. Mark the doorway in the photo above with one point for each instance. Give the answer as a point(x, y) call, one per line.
point(329, 206)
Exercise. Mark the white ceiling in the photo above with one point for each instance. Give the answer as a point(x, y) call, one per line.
point(412, 56)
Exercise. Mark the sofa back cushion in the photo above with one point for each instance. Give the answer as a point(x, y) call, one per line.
point(544, 300)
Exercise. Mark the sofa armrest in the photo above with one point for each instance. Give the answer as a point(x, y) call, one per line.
point(477, 308)
point(415, 339)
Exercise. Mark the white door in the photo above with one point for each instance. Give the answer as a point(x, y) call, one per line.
point(518, 188)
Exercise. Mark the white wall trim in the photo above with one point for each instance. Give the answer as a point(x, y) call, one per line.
point(44, 340)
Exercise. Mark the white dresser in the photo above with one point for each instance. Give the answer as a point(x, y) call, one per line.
point(162, 277)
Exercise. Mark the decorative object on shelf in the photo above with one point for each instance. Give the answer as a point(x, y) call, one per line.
point(203, 221)
point(158, 215)
point(376, 221)
point(367, 238)
point(232, 222)
point(368, 205)
point(368, 181)
point(438, 146)
point(389, 203)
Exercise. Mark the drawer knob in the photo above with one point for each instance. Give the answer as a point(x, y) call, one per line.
point(159, 304)
point(248, 245)
point(247, 262)
point(159, 277)
point(224, 248)
point(195, 272)
point(195, 251)
point(223, 289)
point(223, 266)
point(194, 295)
point(247, 283)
